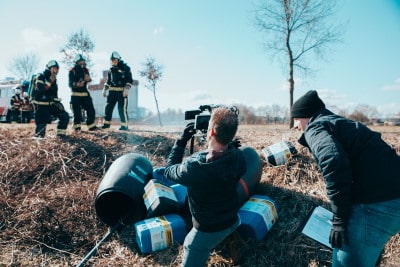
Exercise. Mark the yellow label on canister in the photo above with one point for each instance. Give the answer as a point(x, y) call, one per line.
point(263, 207)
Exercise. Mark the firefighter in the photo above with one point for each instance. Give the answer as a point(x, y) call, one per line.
point(46, 102)
point(79, 77)
point(119, 81)
point(16, 102)
point(26, 109)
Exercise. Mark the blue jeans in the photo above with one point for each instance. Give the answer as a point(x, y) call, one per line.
point(198, 245)
point(369, 229)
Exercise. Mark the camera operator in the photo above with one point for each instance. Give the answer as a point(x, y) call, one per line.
point(211, 177)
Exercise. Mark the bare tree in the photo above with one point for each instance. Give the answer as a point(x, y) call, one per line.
point(153, 73)
point(24, 66)
point(78, 43)
point(367, 111)
point(296, 28)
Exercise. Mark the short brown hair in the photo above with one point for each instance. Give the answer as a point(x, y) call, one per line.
point(225, 123)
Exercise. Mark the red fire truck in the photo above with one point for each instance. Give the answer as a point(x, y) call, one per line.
point(7, 90)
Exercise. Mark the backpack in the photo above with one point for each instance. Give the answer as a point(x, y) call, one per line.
point(32, 91)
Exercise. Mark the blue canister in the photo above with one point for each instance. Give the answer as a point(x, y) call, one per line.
point(257, 216)
point(179, 190)
point(160, 232)
point(279, 153)
point(180, 193)
point(159, 199)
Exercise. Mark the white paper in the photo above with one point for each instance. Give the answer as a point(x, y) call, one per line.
point(319, 225)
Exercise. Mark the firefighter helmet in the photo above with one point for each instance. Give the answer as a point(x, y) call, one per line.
point(79, 57)
point(115, 55)
point(52, 63)
point(17, 90)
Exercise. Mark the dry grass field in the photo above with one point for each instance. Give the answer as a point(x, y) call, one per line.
point(48, 187)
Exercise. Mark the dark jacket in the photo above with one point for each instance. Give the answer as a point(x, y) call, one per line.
point(75, 75)
point(212, 195)
point(119, 76)
point(47, 90)
point(357, 165)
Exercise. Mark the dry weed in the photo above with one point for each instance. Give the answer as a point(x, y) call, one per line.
point(48, 187)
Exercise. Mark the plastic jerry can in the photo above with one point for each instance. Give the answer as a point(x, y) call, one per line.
point(158, 174)
point(180, 193)
point(278, 154)
point(179, 190)
point(257, 216)
point(160, 232)
point(159, 199)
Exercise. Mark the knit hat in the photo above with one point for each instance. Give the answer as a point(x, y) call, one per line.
point(307, 105)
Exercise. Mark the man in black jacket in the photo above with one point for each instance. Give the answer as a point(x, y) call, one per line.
point(211, 177)
point(362, 176)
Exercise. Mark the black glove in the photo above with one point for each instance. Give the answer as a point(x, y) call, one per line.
point(188, 132)
point(338, 235)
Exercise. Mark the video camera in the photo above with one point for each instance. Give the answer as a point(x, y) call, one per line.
point(200, 117)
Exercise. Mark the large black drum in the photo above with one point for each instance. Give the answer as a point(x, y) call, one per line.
point(120, 194)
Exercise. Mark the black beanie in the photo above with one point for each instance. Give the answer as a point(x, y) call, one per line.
point(307, 105)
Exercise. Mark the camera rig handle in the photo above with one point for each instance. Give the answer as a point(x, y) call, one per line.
point(191, 145)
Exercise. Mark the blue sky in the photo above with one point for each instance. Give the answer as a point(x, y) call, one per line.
point(210, 50)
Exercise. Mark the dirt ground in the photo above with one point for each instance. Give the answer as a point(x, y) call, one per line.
point(48, 187)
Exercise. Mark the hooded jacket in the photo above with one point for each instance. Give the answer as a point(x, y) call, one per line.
point(212, 196)
point(357, 165)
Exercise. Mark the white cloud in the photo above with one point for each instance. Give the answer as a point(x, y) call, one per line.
point(34, 39)
point(331, 95)
point(392, 87)
point(158, 30)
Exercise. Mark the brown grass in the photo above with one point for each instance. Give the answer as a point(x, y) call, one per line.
point(48, 187)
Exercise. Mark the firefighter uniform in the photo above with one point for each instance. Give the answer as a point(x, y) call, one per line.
point(46, 102)
point(119, 81)
point(26, 109)
point(16, 102)
point(79, 77)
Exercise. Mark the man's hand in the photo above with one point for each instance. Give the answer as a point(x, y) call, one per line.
point(187, 133)
point(104, 92)
point(53, 78)
point(80, 83)
point(125, 93)
point(87, 78)
point(338, 235)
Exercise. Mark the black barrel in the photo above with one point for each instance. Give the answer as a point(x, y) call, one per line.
point(252, 176)
point(120, 193)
